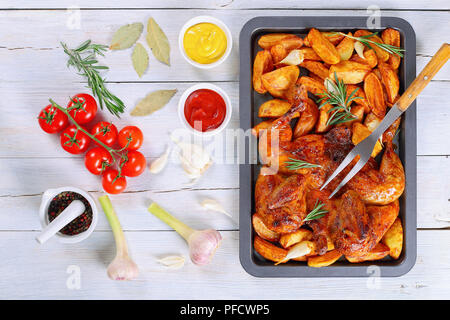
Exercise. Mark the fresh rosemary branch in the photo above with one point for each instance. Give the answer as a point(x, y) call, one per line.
point(338, 98)
point(296, 164)
point(84, 60)
point(317, 212)
point(367, 42)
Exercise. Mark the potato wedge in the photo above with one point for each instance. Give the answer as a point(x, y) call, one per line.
point(359, 93)
point(378, 252)
point(274, 108)
point(392, 37)
point(321, 125)
point(308, 119)
point(268, 250)
point(289, 239)
point(372, 121)
point(262, 230)
point(309, 54)
point(393, 238)
point(291, 43)
point(262, 64)
point(359, 133)
point(279, 80)
point(350, 72)
point(346, 47)
point(312, 85)
point(381, 54)
point(316, 67)
point(278, 53)
point(390, 81)
point(324, 260)
point(375, 95)
point(334, 37)
point(370, 58)
point(269, 40)
point(323, 47)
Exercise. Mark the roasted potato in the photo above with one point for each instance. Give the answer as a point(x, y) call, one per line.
point(274, 108)
point(360, 132)
point(262, 64)
point(390, 81)
point(279, 80)
point(370, 58)
point(334, 37)
point(316, 67)
point(350, 72)
point(269, 40)
point(321, 125)
point(289, 239)
point(381, 54)
point(291, 43)
point(323, 47)
point(309, 54)
point(268, 250)
point(346, 47)
point(312, 85)
point(392, 37)
point(308, 119)
point(359, 93)
point(262, 230)
point(278, 53)
point(378, 252)
point(375, 94)
point(393, 238)
point(324, 260)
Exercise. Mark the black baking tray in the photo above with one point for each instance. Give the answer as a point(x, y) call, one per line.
point(249, 101)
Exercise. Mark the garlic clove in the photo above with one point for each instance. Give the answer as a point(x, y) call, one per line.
point(359, 48)
point(294, 58)
point(211, 204)
point(298, 250)
point(330, 85)
point(159, 164)
point(172, 262)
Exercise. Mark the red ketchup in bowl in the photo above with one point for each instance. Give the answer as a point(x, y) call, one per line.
point(207, 107)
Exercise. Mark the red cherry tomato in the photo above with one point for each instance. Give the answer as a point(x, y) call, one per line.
point(82, 107)
point(133, 163)
point(106, 132)
point(74, 141)
point(97, 160)
point(113, 183)
point(131, 137)
point(52, 120)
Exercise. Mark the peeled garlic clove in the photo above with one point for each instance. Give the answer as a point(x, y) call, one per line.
point(330, 85)
point(213, 205)
point(298, 250)
point(294, 58)
point(359, 48)
point(159, 164)
point(172, 262)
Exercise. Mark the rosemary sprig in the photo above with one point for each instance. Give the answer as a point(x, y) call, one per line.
point(367, 42)
point(296, 164)
point(84, 60)
point(338, 98)
point(317, 212)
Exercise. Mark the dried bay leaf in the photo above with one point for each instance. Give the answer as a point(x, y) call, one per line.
point(126, 36)
point(140, 59)
point(158, 42)
point(152, 102)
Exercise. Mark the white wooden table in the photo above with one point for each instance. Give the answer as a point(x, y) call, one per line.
point(32, 69)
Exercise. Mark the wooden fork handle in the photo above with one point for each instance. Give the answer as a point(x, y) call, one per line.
point(430, 70)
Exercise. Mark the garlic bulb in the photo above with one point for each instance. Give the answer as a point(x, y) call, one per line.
point(122, 268)
point(159, 164)
point(211, 204)
point(359, 48)
point(172, 262)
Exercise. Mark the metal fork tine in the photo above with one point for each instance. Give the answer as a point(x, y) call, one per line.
point(341, 167)
point(361, 162)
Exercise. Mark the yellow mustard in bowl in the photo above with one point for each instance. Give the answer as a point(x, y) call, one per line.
point(205, 43)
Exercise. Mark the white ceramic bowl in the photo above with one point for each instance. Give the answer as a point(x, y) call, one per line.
point(214, 88)
point(43, 213)
point(205, 19)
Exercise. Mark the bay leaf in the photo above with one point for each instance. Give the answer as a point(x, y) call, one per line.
point(126, 36)
point(140, 59)
point(152, 102)
point(158, 42)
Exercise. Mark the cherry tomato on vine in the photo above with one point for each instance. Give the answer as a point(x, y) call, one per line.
point(133, 163)
point(131, 137)
point(52, 120)
point(113, 183)
point(106, 132)
point(74, 141)
point(82, 107)
point(97, 160)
